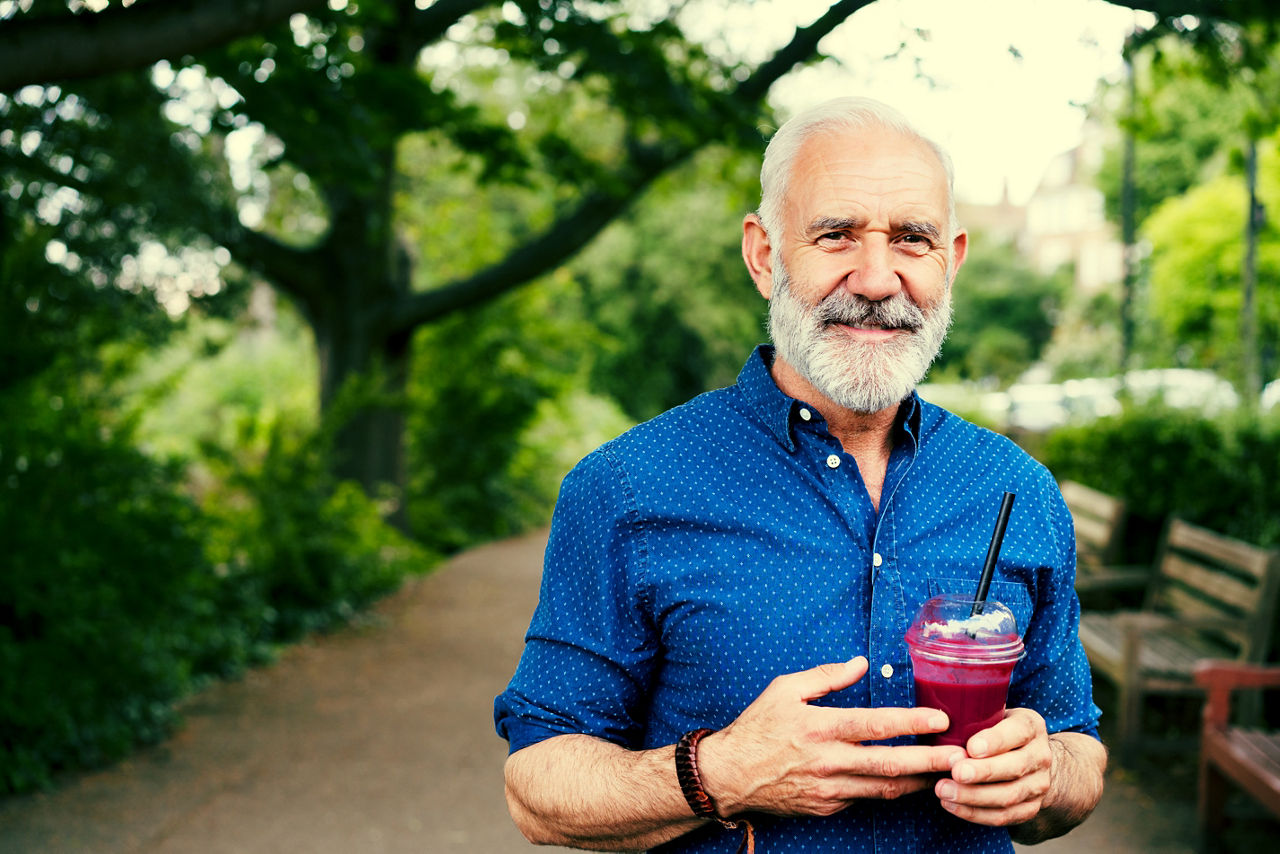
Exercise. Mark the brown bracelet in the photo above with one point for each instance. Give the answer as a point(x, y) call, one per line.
point(691, 786)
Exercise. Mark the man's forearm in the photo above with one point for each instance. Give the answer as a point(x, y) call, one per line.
point(1075, 787)
point(582, 792)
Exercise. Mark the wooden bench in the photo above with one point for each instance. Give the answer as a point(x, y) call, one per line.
point(1247, 757)
point(1100, 526)
point(1209, 596)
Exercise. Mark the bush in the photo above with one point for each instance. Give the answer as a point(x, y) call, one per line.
point(1222, 474)
point(120, 593)
point(102, 593)
point(299, 550)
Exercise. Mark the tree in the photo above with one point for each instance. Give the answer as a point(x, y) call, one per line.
point(1206, 100)
point(335, 95)
point(1196, 262)
point(1004, 315)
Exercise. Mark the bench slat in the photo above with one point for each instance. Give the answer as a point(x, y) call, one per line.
point(1212, 583)
point(1180, 603)
point(1218, 548)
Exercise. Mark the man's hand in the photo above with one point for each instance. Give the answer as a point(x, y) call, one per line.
point(1018, 775)
point(786, 757)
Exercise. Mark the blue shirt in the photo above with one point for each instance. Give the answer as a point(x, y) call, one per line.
point(730, 540)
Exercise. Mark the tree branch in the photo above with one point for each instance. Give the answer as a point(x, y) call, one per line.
point(802, 46)
point(575, 229)
point(540, 255)
point(296, 272)
point(72, 47)
point(1239, 11)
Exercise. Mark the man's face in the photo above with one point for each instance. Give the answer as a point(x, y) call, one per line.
point(859, 275)
point(854, 373)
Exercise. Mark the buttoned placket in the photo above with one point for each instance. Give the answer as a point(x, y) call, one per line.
point(889, 678)
point(885, 648)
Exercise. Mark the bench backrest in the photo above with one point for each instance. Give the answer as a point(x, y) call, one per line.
point(1099, 520)
point(1203, 575)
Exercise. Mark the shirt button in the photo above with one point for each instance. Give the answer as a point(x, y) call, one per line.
point(886, 671)
point(833, 462)
point(876, 560)
point(805, 414)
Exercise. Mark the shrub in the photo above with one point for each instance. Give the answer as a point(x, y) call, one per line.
point(120, 593)
point(101, 594)
point(1222, 474)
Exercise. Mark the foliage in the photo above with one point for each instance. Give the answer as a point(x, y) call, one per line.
point(494, 377)
point(104, 597)
point(1184, 126)
point(1222, 474)
point(675, 310)
point(1197, 257)
point(1004, 315)
point(122, 591)
point(299, 551)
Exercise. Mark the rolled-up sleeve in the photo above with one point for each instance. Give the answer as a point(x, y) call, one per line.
point(1056, 681)
point(590, 650)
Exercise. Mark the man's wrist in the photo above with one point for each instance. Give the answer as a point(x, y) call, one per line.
point(718, 779)
point(689, 775)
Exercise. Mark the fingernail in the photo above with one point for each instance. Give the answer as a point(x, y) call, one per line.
point(946, 790)
point(963, 773)
point(978, 747)
point(938, 722)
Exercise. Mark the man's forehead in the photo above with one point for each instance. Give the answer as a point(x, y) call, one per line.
point(850, 174)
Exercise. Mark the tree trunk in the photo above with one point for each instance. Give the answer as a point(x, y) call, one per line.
point(1128, 225)
point(1252, 380)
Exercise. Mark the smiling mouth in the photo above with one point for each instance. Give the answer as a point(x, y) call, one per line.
point(870, 328)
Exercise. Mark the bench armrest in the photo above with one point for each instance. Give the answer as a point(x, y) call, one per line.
point(1220, 678)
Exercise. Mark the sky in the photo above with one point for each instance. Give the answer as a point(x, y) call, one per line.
point(1003, 117)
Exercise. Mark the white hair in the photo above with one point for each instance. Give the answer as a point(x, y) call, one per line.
point(848, 113)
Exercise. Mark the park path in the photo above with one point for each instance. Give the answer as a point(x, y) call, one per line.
point(378, 739)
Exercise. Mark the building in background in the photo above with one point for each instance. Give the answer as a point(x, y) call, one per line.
point(1064, 221)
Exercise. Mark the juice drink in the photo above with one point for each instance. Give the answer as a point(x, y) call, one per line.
point(963, 662)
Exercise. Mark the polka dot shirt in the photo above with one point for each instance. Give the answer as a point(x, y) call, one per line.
point(731, 540)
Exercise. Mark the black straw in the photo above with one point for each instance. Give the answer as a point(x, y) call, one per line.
point(993, 553)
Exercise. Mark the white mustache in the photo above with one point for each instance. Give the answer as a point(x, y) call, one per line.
point(896, 312)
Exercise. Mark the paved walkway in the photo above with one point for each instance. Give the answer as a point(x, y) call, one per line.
point(378, 740)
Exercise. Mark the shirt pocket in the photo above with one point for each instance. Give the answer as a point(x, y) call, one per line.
point(1011, 594)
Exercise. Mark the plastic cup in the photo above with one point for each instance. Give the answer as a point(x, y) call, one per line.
point(963, 658)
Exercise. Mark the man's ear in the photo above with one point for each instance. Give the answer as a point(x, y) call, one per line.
point(757, 252)
point(959, 251)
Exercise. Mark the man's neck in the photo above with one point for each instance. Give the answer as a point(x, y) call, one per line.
point(867, 436)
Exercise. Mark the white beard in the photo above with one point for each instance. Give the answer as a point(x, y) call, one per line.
point(861, 376)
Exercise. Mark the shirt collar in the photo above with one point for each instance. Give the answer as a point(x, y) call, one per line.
point(778, 412)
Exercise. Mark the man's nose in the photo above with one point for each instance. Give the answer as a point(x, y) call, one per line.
point(875, 274)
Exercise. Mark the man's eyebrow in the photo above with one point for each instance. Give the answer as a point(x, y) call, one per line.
point(922, 228)
point(823, 224)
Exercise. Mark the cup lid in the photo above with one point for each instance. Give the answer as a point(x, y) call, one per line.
point(947, 626)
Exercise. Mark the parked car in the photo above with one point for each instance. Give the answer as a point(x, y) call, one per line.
point(1270, 396)
point(1183, 388)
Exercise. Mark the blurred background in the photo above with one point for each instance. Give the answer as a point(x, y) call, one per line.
point(300, 298)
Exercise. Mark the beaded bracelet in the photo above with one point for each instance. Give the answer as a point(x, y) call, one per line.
point(694, 793)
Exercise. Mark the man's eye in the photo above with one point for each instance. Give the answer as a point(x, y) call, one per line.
point(916, 242)
point(831, 236)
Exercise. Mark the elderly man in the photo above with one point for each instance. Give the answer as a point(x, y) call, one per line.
point(717, 659)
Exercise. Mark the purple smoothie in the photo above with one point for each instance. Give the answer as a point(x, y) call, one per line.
point(963, 663)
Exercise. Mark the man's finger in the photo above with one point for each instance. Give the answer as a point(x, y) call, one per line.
point(825, 678)
point(1019, 727)
point(884, 723)
point(881, 761)
point(995, 796)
